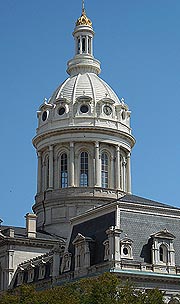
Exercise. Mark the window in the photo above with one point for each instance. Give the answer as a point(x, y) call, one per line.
point(104, 170)
point(84, 169)
point(61, 111)
point(83, 44)
point(84, 109)
point(126, 248)
point(64, 171)
point(89, 45)
point(79, 46)
point(163, 254)
point(82, 251)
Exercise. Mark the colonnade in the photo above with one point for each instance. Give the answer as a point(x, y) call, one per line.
point(119, 169)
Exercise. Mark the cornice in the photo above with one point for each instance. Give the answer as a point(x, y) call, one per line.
point(101, 130)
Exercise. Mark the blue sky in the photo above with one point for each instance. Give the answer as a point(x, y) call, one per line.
point(138, 44)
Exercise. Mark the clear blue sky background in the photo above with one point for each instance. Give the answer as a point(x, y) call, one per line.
point(138, 44)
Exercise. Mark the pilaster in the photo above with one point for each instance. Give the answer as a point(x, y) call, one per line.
point(51, 169)
point(97, 166)
point(71, 165)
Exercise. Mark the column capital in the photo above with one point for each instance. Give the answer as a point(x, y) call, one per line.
point(50, 148)
point(96, 144)
point(39, 154)
point(71, 144)
point(118, 148)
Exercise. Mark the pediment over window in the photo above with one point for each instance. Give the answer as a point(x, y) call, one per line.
point(80, 238)
point(107, 100)
point(163, 234)
point(126, 241)
point(84, 98)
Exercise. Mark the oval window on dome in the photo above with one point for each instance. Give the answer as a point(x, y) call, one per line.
point(61, 111)
point(107, 110)
point(123, 115)
point(84, 109)
point(44, 115)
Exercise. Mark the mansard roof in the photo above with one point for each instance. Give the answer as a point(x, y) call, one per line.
point(20, 232)
point(129, 198)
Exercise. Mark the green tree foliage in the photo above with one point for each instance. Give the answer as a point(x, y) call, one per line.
point(104, 289)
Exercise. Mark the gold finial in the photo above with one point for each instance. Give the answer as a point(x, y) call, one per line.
point(83, 20)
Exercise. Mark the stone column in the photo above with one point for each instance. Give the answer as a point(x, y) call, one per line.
point(51, 169)
point(124, 174)
point(129, 173)
point(39, 178)
point(97, 166)
point(86, 48)
point(11, 265)
point(71, 165)
point(80, 44)
point(118, 180)
point(112, 173)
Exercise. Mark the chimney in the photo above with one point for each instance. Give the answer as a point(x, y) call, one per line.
point(31, 225)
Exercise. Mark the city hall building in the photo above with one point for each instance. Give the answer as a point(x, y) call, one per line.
point(85, 219)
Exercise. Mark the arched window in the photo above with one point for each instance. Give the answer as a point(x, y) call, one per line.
point(84, 169)
point(83, 44)
point(64, 171)
point(78, 46)
point(163, 254)
point(104, 170)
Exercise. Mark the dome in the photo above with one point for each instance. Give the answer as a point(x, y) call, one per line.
point(88, 84)
point(83, 20)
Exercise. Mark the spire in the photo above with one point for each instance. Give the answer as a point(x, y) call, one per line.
point(83, 20)
point(83, 7)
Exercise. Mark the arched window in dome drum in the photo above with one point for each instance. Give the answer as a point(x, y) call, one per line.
point(84, 169)
point(104, 170)
point(64, 171)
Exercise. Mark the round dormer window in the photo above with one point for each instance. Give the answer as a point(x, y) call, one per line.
point(61, 111)
point(125, 251)
point(44, 115)
point(107, 110)
point(123, 115)
point(84, 109)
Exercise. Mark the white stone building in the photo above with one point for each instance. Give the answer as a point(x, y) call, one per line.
point(86, 221)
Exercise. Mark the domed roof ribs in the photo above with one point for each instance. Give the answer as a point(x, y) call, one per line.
point(108, 89)
point(92, 87)
point(74, 88)
point(62, 86)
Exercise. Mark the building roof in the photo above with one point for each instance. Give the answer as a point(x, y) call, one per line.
point(88, 84)
point(20, 232)
point(129, 198)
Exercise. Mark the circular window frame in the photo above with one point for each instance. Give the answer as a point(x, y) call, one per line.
point(60, 108)
point(107, 107)
point(85, 106)
point(125, 251)
point(45, 112)
point(123, 115)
